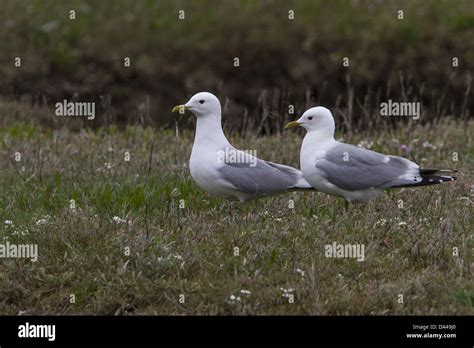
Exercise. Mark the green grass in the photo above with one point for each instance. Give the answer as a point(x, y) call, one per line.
point(190, 250)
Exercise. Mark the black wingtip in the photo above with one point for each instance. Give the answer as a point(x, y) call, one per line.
point(429, 179)
point(437, 171)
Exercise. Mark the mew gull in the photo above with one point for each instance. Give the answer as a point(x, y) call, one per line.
point(222, 170)
point(352, 172)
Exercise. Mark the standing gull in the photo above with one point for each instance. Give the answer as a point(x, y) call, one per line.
point(354, 173)
point(222, 170)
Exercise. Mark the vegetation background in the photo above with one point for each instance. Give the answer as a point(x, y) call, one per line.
point(282, 61)
point(128, 245)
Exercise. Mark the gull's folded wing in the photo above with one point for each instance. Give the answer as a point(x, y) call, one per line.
point(352, 168)
point(262, 177)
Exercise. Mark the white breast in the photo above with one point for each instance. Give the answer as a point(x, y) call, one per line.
point(311, 152)
point(203, 166)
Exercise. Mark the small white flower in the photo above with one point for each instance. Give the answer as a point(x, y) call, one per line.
point(119, 220)
point(19, 232)
point(402, 223)
point(424, 221)
point(9, 222)
point(426, 144)
point(41, 222)
point(245, 292)
point(233, 299)
point(300, 272)
point(108, 165)
point(286, 292)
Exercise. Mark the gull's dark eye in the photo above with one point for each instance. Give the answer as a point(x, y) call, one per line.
point(310, 118)
point(201, 101)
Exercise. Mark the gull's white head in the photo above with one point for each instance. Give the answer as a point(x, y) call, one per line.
point(315, 119)
point(201, 104)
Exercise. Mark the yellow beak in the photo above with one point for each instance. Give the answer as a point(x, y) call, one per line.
point(292, 124)
point(180, 108)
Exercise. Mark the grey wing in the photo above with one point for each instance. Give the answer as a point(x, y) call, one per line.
point(262, 178)
point(353, 168)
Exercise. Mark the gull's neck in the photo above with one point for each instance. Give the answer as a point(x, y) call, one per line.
point(209, 131)
point(322, 136)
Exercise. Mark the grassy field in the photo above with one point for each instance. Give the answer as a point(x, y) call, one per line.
point(140, 233)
